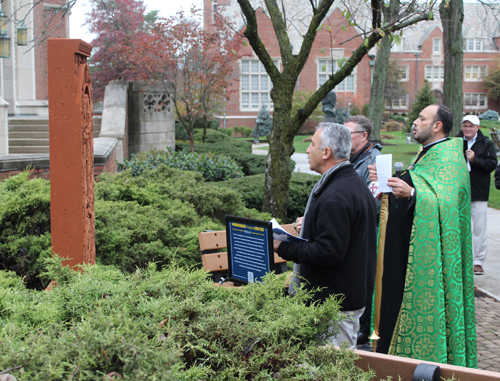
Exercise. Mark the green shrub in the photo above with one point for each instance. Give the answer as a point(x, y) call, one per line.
point(228, 131)
point(212, 167)
point(212, 136)
point(246, 131)
point(364, 111)
point(24, 226)
point(355, 110)
point(386, 115)
point(251, 188)
point(399, 118)
point(489, 115)
point(166, 325)
point(238, 150)
point(155, 217)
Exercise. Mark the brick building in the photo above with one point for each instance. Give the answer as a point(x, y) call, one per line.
point(23, 75)
point(420, 55)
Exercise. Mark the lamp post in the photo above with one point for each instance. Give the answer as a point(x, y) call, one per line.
point(372, 63)
point(416, 73)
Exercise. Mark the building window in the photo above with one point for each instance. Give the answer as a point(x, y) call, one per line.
point(214, 9)
point(329, 67)
point(434, 73)
point(398, 47)
point(405, 73)
point(255, 85)
point(436, 46)
point(475, 100)
point(474, 44)
point(401, 103)
point(475, 73)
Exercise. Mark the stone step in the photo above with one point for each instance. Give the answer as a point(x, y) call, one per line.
point(28, 121)
point(28, 128)
point(28, 134)
point(28, 142)
point(31, 149)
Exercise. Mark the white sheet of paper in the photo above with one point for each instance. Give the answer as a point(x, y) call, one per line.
point(384, 171)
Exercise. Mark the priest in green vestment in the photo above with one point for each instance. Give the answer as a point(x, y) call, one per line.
point(425, 285)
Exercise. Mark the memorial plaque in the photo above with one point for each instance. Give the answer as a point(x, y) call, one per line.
point(250, 249)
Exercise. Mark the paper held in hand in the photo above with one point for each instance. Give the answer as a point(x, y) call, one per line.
point(384, 171)
point(281, 234)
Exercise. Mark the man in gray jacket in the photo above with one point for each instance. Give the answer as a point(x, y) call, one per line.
point(363, 153)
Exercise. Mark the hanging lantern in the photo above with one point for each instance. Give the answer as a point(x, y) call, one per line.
point(22, 35)
point(4, 46)
point(3, 22)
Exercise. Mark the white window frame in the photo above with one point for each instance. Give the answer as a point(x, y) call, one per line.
point(255, 85)
point(406, 73)
point(327, 67)
point(398, 47)
point(475, 101)
point(475, 73)
point(398, 104)
point(436, 46)
point(474, 45)
point(214, 10)
point(434, 73)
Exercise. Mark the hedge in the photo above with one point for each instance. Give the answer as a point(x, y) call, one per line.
point(251, 189)
point(153, 217)
point(172, 324)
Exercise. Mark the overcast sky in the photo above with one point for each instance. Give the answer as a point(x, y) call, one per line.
point(166, 8)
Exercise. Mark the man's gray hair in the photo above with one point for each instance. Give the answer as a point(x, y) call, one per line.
point(362, 124)
point(337, 137)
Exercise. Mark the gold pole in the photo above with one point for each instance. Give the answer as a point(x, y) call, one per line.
point(384, 214)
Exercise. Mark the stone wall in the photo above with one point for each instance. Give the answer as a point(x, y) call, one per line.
point(104, 161)
point(151, 118)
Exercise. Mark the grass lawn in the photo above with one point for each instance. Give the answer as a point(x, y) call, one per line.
point(404, 153)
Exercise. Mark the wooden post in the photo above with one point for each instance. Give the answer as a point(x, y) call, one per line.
point(71, 151)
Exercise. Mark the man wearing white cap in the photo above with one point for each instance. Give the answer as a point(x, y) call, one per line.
point(481, 160)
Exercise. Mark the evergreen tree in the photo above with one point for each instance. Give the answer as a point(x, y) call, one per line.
point(265, 122)
point(425, 98)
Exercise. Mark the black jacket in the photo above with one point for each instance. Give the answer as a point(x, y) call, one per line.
point(485, 161)
point(497, 177)
point(341, 227)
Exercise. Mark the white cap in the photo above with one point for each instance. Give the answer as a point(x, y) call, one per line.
point(471, 118)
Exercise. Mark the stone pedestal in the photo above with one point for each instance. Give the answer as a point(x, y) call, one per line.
point(114, 116)
point(4, 127)
point(151, 118)
point(71, 151)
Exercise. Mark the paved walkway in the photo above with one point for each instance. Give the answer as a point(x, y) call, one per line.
point(487, 285)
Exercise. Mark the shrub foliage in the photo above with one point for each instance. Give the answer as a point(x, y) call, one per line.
point(165, 325)
point(213, 167)
point(155, 217)
point(251, 188)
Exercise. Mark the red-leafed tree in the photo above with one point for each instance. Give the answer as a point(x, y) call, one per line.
point(195, 66)
point(120, 27)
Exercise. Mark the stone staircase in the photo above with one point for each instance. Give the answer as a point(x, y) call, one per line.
point(31, 135)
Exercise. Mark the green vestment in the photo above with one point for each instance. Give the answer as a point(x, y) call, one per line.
point(437, 317)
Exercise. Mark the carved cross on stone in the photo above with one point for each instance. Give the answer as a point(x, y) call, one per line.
point(71, 151)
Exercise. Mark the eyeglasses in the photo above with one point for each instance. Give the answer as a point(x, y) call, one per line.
point(357, 132)
point(468, 127)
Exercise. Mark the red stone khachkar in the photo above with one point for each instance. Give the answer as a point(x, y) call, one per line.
point(71, 151)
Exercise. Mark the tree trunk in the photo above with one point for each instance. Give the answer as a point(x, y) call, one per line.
point(452, 17)
point(278, 172)
point(376, 108)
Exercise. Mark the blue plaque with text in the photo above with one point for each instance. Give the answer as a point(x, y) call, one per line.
point(249, 248)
